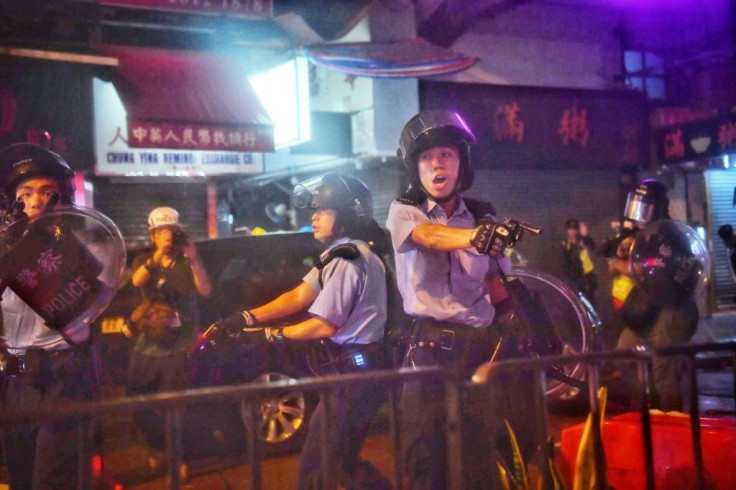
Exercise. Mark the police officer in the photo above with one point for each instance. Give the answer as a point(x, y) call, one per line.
point(44, 366)
point(577, 265)
point(346, 298)
point(648, 322)
point(449, 258)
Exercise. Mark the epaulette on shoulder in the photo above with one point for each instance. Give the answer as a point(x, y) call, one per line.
point(479, 209)
point(347, 251)
point(407, 201)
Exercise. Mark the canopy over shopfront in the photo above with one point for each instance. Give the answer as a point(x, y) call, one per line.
point(192, 101)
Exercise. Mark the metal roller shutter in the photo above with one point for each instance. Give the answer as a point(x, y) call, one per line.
point(721, 184)
point(384, 184)
point(128, 206)
point(548, 198)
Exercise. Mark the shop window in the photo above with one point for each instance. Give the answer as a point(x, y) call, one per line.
point(645, 71)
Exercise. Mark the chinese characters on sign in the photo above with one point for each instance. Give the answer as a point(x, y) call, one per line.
point(237, 8)
point(727, 135)
point(508, 124)
point(146, 134)
point(673, 144)
point(574, 126)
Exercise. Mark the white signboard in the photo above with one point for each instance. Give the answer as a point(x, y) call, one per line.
point(115, 158)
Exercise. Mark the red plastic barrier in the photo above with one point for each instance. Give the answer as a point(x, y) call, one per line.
point(674, 466)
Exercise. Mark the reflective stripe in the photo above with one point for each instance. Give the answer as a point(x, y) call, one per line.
point(585, 259)
point(622, 286)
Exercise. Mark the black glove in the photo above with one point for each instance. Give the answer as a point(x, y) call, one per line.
point(492, 239)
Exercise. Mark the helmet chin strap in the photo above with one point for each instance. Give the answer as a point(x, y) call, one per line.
point(443, 200)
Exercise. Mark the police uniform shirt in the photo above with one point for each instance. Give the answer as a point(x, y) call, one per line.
point(352, 297)
point(24, 328)
point(446, 286)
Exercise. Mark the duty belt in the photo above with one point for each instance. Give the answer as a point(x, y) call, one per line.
point(33, 360)
point(449, 342)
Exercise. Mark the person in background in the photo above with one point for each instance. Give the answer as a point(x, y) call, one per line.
point(171, 279)
point(577, 266)
point(44, 367)
point(648, 322)
point(346, 297)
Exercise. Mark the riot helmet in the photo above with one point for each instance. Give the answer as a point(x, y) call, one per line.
point(433, 128)
point(22, 161)
point(648, 202)
point(348, 196)
point(335, 191)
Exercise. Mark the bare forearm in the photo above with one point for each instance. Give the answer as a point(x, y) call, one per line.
point(312, 329)
point(441, 237)
point(201, 278)
point(287, 304)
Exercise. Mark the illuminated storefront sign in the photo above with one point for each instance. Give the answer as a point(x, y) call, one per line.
point(235, 8)
point(115, 156)
point(697, 140)
point(545, 127)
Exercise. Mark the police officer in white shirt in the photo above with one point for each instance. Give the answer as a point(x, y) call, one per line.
point(44, 366)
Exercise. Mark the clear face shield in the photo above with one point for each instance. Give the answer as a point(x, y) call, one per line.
point(637, 209)
point(325, 191)
point(306, 194)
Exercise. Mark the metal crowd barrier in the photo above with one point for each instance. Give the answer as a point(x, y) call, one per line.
point(249, 396)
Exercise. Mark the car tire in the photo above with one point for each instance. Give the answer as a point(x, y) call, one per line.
point(283, 419)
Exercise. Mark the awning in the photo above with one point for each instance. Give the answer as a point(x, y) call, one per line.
point(187, 100)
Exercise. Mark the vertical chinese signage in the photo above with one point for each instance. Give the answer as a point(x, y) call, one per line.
point(696, 140)
point(522, 126)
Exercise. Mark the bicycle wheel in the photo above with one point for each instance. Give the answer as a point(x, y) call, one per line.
point(573, 320)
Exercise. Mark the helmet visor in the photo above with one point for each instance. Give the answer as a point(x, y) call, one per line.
point(306, 194)
point(638, 209)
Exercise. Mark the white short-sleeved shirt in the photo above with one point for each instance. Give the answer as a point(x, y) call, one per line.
point(24, 328)
point(352, 296)
point(447, 286)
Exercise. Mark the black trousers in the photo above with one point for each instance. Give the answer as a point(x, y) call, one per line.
point(508, 396)
point(45, 456)
point(158, 364)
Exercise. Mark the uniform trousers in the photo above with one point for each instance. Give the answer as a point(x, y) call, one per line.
point(45, 455)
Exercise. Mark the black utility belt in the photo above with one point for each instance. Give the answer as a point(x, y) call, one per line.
point(437, 334)
point(35, 359)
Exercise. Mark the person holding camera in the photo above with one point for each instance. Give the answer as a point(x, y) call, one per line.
point(449, 253)
point(171, 279)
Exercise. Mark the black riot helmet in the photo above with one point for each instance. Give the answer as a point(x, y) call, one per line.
point(22, 161)
point(433, 128)
point(648, 202)
point(348, 196)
